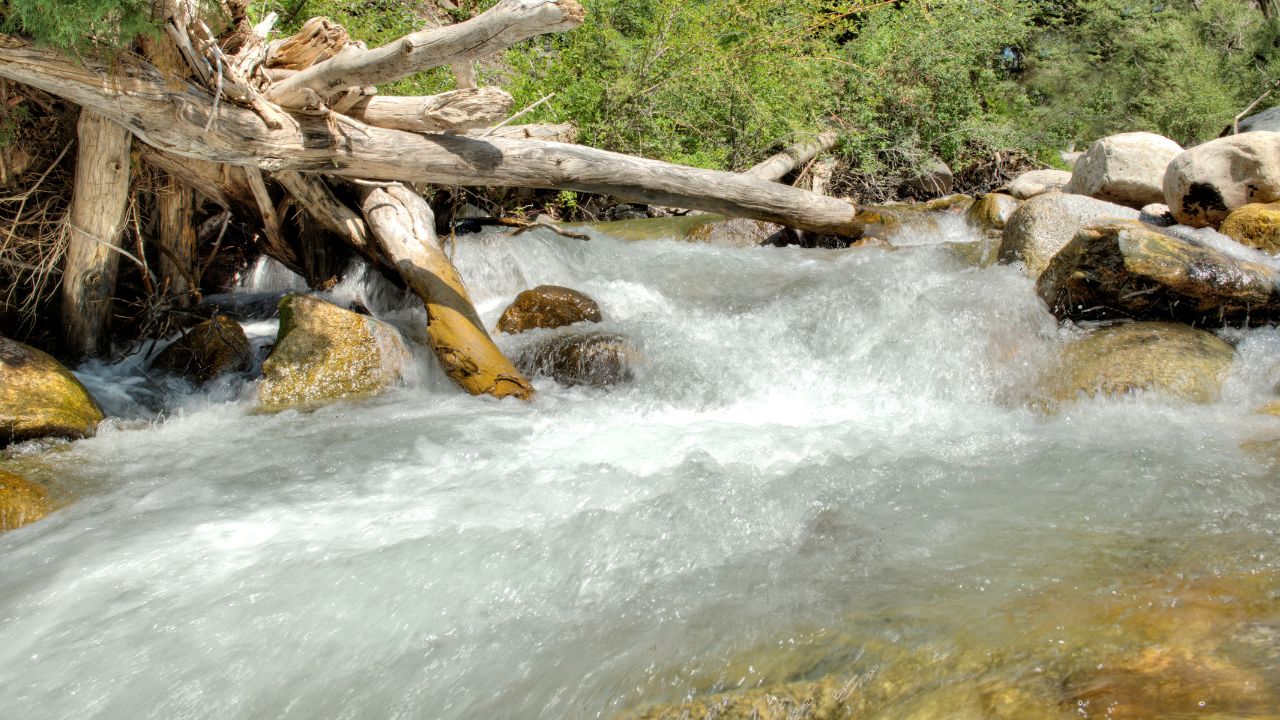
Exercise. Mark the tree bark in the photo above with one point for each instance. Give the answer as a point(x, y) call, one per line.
point(175, 205)
point(404, 227)
point(95, 219)
point(496, 29)
point(559, 132)
point(454, 110)
point(176, 122)
point(777, 166)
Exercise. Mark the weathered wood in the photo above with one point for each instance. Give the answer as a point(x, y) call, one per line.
point(318, 40)
point(454, 110)
point(175, 206)
point(132, 93)
point(777, 166)
point(404, 227)
point(558, 132)
point(498, 28)
point(316, 198)
point(225, 185)
point(99, 200)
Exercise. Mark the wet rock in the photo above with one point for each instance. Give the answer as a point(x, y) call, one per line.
point(597, 359)
point(871, 242)
point(1175, 360)
point(325, 353)
point(980, 254)
point(1126, 169)
point(1204, 184)
point(1256, 225)
point(1131, 270)
point(1038, 182)
point(210, 349)
point(740, 232)
point(887, 221)
point(991, 212)
point(625, 211)
point(1042, 226)
point(934, 179)
point(548, 306)
point(41, 398)
point(21, 502)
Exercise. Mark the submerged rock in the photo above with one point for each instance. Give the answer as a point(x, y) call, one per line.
point(41, 398)
point(1131, 270)
point(1157, 214)
point(991, 212)
point(325, 353)
point(1203, 185)
point(1038, 182)
point(589, 359)
point(548, 306)
point(21, 502)
point(1256, 225)
point(887, 221)
point(1042, 226)
point(1175, 360)
point(210, 349)
point(1127, 169)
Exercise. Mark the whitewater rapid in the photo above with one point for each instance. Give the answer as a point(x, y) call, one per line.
point(813, 440)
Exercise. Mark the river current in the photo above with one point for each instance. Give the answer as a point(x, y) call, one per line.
point(826, 463)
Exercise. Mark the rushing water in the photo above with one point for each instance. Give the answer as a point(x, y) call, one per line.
point(827, 449)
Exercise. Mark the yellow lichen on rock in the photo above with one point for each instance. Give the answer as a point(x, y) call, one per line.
point(325, 353)
point(41, 398)
point(1256, 225)
point(21, 502)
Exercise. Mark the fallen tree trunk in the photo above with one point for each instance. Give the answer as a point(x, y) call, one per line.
point(95, 219)
point(496, 29)
point(132, 92)
point(777, 166)
point(454, 110)
point(403, 226)
point(559, 132)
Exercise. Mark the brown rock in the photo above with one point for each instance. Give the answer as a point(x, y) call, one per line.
point(21, 502)
point(41, 398)
point(590, 359)
point(1130, 270)
point(1174, 360)
point(992, 211)
point(739, 232)
point(1256, 225)
point(207, 350)
point(548, 306)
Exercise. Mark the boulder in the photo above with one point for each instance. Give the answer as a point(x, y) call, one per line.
point(21, 502)
point(933, 179)
point(586, 359)
point(1040, 227)
point(204, 352)
point(548, 306)
point(1131, 270)
point(41, 398)
point(1256, 225)
point(740, 232)
point(1204, 184)
point(1266, 121)
point(1038, 182)
point(1126, 169)
point(625, 211)
point(887, 221)
point(1175, 360)
point(324, 353)
point(1070, 157)
point(991, 212)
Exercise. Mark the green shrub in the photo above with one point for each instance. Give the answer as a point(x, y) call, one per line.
point(77, 24)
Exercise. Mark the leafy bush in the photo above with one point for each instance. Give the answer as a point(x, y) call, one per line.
point(76, 24)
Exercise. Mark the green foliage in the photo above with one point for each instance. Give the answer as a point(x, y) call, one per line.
point(78, 24)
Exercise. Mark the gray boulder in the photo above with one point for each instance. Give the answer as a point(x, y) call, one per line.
point(1127, 169)
point(1037, 230)
point(1038, 182)
point(1204, 184)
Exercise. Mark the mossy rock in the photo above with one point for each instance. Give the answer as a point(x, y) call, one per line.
point(325, 353)
point(21, 502)
point(1127, 269)
point(210, 349)
point(991, 211)
point(1173, 360)
point(548, 306)
point(41, 398)
point(597, 359)
point(1256, 225)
